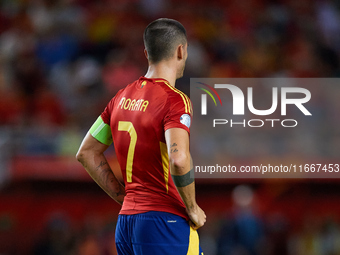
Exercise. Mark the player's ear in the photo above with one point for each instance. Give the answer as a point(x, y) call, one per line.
point(146, 54)
point(180, 52)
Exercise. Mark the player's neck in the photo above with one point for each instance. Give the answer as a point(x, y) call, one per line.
point(162, 70)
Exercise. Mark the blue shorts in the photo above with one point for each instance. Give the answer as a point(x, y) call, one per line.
point(155, 233)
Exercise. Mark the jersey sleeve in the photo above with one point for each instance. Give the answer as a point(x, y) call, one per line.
point(106, 114)
point(179, 114)
point(100, 129)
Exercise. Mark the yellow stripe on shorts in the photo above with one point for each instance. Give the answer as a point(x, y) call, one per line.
point(193, 243)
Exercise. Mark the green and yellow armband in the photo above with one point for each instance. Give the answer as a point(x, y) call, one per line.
point(101, 131)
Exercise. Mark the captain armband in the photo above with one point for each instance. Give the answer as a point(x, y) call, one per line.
point(184, 180)
point(101, 131)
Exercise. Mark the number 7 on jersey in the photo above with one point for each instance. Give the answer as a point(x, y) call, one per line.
point(128, 127)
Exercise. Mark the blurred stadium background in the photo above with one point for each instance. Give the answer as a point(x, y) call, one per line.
point(62, 60)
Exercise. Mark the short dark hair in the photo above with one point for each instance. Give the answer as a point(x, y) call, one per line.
point(161, 37)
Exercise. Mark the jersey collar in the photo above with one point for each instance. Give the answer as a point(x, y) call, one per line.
point(142, 78)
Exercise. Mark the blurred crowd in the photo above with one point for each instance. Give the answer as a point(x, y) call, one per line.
point(62, 60)
point(94, 236)
point(245, 230)
point(241, 228)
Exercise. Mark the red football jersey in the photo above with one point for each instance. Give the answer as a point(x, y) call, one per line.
point(138, 116)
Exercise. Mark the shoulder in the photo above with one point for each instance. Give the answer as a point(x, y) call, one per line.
point(176, 98)
point(115, 97)
point(121, 93)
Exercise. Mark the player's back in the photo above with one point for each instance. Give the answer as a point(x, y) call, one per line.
point(138, 116)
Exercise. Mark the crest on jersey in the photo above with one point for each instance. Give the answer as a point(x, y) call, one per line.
point(185, 120)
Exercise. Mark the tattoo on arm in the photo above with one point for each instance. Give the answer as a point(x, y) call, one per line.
point(173, 149)
point(107, 177)
point(102, 163)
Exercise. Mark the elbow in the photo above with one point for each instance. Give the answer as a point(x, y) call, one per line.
point(179, 164)
point(80, 156)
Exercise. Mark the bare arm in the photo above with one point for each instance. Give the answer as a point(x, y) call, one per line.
point(91, 156)
point(177, 140)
